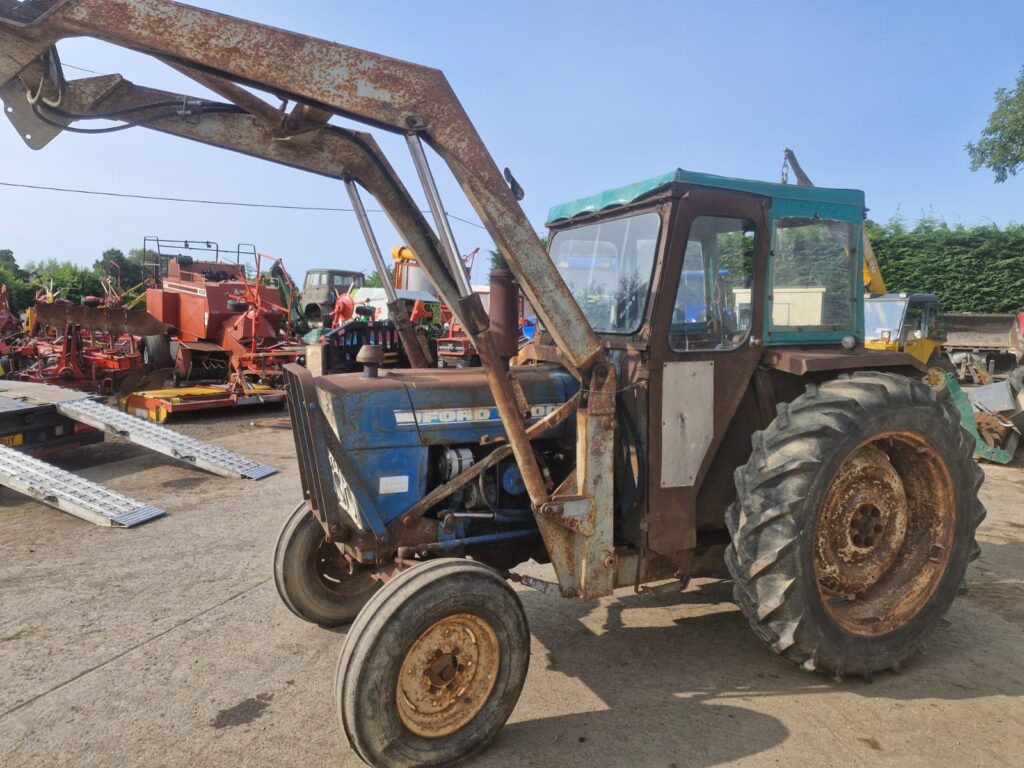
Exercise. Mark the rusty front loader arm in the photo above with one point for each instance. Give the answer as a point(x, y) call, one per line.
point(379, 90)
point(263, 133)
point(324, 79)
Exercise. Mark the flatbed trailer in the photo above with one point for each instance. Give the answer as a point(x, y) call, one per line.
point(158, 405)
point(31, 422)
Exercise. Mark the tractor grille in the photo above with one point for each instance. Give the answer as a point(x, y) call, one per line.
point(302, 431)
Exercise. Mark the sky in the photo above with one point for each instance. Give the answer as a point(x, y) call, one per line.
point(574, 98)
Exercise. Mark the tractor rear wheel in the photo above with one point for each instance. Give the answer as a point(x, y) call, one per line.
point(433, 666)
point(312, 577)
point(855, 522)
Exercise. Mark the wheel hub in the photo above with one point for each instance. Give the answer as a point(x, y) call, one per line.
point(863, 523)
point(337, 575)
point(884, 533)
point(448, 675)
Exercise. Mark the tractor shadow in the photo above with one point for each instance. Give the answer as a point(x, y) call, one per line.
point(680, 686)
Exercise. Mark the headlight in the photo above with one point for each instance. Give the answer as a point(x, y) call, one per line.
point(886, 336)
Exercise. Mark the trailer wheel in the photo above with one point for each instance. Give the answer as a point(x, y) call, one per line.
point(312, 577)
point(433, 666)
point(156, 351)
point(854, 523)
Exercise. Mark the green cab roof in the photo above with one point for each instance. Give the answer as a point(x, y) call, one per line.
point(624, 195)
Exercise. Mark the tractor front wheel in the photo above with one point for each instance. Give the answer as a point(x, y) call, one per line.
point(433, 666)
point(312, 577)
point(854, 523)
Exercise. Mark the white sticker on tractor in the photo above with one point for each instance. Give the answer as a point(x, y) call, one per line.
point(394, 484)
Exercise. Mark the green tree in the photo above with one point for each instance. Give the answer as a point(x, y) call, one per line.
point(7, 261)
point(142, 257)
point(19, 290)
point(373, 279)
point(972, 269)
point(1001, 146)
point(126, 269)
point(73, 281)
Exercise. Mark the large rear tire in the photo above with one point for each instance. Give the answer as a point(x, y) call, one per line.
point(855, 522)
point(433, 666)
point(312, 577)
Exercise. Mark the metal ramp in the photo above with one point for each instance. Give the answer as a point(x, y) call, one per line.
point(162, 440)
point(70, 493)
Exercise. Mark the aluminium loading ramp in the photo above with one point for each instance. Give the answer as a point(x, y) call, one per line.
point(70, 493)
point(162, 440)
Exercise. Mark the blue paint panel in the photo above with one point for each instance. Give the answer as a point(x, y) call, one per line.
point(384, 470)
point(454, 415)
point(386, 425)
point(364, 416)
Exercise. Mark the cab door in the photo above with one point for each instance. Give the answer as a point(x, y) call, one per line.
point(705, 343)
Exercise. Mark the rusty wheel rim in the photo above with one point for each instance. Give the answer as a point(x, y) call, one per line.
point(448, 675)
point(884, 534)
point(336, 575)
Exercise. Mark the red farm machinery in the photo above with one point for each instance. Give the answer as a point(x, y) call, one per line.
point(230, 330)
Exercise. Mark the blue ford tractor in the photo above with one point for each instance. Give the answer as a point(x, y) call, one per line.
point(696, 399)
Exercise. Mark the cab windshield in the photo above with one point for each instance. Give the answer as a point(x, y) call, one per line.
point(608, 267)
point(883, 315)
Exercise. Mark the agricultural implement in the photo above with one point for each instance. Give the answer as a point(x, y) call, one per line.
point(661, 429)
point(9, 322)
point(89, 348)
point(230, 334)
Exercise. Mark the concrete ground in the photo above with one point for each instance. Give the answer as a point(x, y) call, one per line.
point(167, 645)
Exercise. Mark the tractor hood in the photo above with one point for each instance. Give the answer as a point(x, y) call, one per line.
point(364, 444)
point(404, 408)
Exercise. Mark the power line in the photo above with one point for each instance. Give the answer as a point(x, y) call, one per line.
point(159, 198)
point(209, 202)
point(80, 69)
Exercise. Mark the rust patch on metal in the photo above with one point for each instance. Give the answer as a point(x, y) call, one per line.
point(993, 431)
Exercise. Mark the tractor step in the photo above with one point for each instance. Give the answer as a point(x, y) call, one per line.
point(162, 440)
point(70, 493)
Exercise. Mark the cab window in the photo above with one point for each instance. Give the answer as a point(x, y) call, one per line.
point(813, 285)
point(607, 268)
point(712, 304)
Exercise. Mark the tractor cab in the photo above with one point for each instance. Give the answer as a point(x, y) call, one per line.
point(697, 282)
point(906, 322)
point(714, 263)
